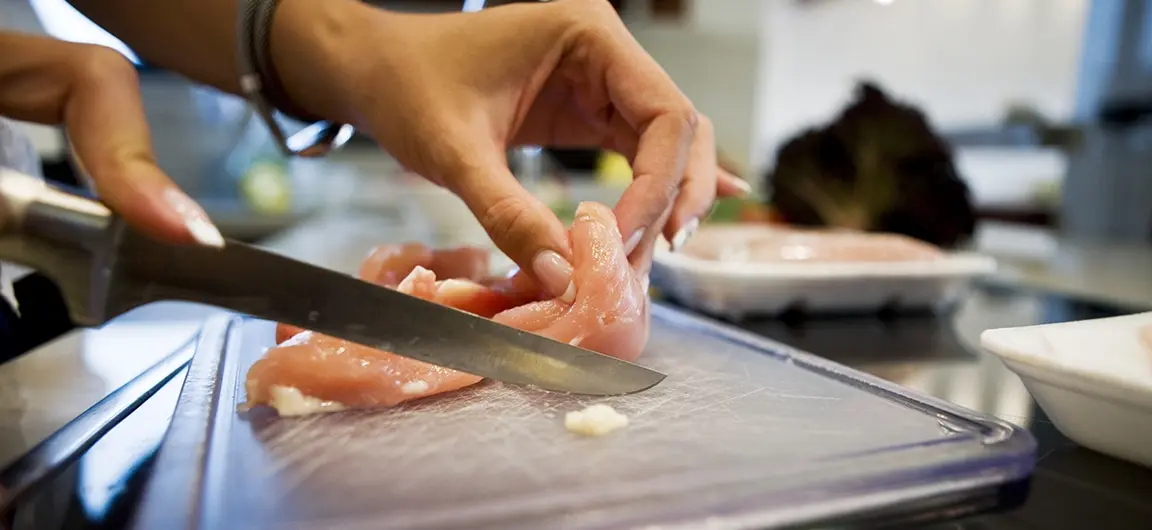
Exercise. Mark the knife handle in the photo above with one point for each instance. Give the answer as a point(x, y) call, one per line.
point(63, 235)
point(29, 205)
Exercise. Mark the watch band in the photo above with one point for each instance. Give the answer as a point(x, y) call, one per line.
point(261, 86)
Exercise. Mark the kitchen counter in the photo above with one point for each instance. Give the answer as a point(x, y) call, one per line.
point(934, 355)
point(1115, 273)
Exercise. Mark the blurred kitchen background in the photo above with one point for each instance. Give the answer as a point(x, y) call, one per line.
point(1018, 128)
point(1036, 106)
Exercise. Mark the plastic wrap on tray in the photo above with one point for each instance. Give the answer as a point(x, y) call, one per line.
point(738, 270)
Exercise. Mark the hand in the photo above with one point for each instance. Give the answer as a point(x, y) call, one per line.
point(93, 91)
point(448, 94)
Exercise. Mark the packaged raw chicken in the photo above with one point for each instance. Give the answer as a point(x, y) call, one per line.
point(739, 270)
point(766, 244)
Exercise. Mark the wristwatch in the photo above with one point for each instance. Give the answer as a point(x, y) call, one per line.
point(261, 87)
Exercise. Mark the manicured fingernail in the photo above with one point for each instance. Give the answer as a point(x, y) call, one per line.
point(199, 226)
point(569, 295)
point(556, 274)
point(644, 284)
point(745, 187)
point(685, 232)
point(632, 242)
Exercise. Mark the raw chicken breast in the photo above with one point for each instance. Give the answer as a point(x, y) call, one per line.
point(761, 244)
point(610, 313)
point(334, 373)
point(309, 372)
point(388, 265)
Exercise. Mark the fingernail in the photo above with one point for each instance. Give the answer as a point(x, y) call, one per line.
point(556, 274)
point(644, 284)
point(199, 226)
point(632, 242)
point(684, 233)
point(744, 186)
point(569, 295)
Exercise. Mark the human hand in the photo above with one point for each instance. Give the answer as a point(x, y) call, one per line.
point(94, 92)
point(448, 94)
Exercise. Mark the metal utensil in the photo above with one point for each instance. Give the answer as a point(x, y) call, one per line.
point(104, 268)
point(63, 447)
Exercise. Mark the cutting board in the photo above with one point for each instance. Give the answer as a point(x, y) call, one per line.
point(744, 432)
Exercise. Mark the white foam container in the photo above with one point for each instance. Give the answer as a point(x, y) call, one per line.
point(735, 290)
point(1093, 378)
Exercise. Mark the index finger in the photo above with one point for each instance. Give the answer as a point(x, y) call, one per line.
point(107, 127)
point(660, 114)
point(95, 92)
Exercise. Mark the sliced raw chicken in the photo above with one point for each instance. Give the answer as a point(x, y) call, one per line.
point(309, 372)
point(610, 313)
point(388, 265)
point(465, 269)
point(761, 244)
point(331, 373)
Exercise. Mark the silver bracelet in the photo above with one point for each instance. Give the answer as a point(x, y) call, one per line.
point(260, 86)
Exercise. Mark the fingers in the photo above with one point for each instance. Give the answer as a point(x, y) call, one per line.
point(107, 127)
point(729, 185)
point(649, 119)
point(703, 181)
point(697, 190)
point(519, 224)
point(674, 166)
point(658, 169)
point(94, 91)
point(641, 257)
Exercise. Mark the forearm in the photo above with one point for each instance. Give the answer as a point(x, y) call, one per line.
point(197, 39)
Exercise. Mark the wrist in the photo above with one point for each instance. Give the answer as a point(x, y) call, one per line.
point(310, 51)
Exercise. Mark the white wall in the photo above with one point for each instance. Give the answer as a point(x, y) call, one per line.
point(713, 55)
point(962, 61)
point(718, 72)
point(764, 69)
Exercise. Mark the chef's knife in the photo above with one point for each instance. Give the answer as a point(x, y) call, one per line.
point(104, 268)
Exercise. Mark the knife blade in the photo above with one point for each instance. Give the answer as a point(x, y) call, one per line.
point(266, 285)
point(104, 268)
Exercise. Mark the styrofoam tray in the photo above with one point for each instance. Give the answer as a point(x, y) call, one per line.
point(1092, 377)
point(734, 290)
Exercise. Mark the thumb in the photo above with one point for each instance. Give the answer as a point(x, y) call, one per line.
point(106, 124)
point(519, 224)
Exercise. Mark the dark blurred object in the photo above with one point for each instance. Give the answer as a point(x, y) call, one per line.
point(1019, 214)
point(666, 9)
point(1023, 126)
point(42, 316)
point(1121, 113)
point(878, 166)
point(61, 170)
point(585, 162)
point(582, 162)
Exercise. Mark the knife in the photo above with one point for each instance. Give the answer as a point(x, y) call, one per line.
point(103, 268)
